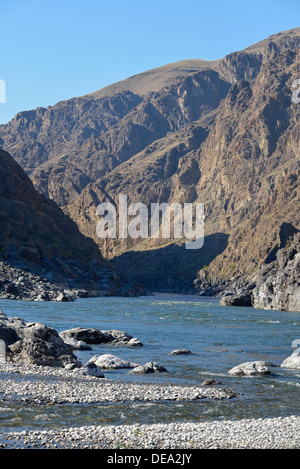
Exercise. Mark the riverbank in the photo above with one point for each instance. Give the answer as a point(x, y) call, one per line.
point(278, 433)
point(48, 406)
point(55, 386)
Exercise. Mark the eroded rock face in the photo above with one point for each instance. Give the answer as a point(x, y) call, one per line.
point(278, 284)
point(242, 299)
point(43, 255)
point(223, 133)
point(34, 343)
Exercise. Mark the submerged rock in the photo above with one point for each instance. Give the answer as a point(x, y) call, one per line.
point(210, 382)
point(182, 351)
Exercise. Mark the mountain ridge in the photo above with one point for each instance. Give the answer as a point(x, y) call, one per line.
point(224, 135)
point(39, 243)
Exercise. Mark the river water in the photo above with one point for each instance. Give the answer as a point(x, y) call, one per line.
point(219, 338)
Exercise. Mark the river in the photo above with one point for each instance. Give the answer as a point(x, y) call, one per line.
point(219, 338)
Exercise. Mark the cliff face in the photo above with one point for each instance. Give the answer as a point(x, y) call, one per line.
point(223, 133)
point(278, 283)
point(250, 168)
point(38, 238)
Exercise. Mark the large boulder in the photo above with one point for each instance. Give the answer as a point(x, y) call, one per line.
point(96, 336)
point(150, 367)
point(254, 368)
point(181, 351)
point(241, 299)
point(76, 344)
point(90, 369)
point(110, 362)
point(34, 343)
point(293, 361)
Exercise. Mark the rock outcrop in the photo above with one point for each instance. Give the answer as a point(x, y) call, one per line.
point(278, 283)
point(241, 299)
point(34, 343)
point(43, 255)
point(96, 336)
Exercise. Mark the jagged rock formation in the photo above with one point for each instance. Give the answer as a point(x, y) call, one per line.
point(34, 343)
point(42, 252)
point(278, 283)
point(224, 133)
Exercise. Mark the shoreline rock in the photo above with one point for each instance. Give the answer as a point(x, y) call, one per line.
point(97, 336)
point(108, 361)
point(241, 299)
point(278, 283)
point(34, 343)
point(150, 367)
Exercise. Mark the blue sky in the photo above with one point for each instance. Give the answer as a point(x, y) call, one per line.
point(54, 50)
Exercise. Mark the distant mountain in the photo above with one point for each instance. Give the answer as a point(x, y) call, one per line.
point(38, 238)
point(224, 133)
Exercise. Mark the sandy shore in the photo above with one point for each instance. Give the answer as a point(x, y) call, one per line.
point(43, 385)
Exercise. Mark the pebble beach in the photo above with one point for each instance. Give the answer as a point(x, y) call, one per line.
point(278, 433)
point(45, 385)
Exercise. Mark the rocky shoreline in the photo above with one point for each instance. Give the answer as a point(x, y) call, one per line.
point(277, 433)
point(44, 385)
point(22, 284)
point(275, 285)
point(39, 368)
point(54, 386)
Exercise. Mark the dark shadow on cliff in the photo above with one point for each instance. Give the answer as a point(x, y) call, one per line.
point(286, 235)
point(172, 268)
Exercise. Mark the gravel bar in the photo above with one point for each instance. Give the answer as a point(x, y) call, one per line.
point(34, 384)
point(40, 385)
point(277, 433)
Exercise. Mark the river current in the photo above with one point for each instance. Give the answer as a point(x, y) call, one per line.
point(219, 338)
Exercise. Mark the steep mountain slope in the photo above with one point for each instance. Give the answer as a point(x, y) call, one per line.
point(250, 166)
point(90, 135)
point(37, 237)
point(224, 133)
